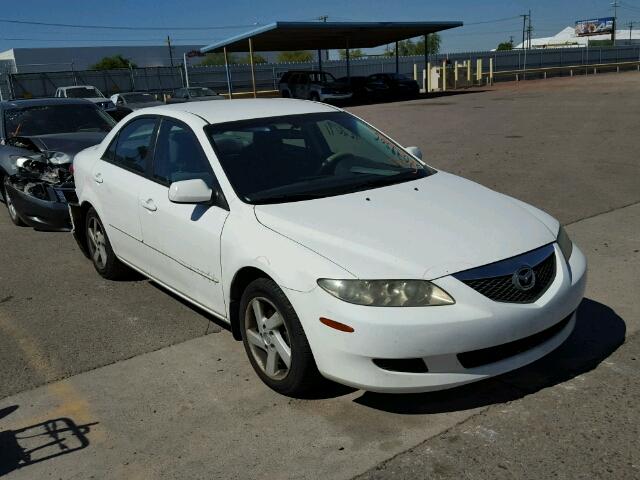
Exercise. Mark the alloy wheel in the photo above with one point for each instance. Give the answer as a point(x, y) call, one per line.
point(268, 338)
point(97, 243)
point(10, 206)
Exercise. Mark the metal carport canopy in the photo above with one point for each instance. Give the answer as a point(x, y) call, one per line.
point(284, 36)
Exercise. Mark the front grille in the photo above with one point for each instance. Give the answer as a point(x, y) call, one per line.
point(406, 365)
point(485, 356)
point(501, 288)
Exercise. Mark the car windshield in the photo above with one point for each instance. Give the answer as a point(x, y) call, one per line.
point(48, 119)
point(398, 76)
point(139, 97)
point(201, 92)
point(83, 92)
point(322, 77)
point(301, 157)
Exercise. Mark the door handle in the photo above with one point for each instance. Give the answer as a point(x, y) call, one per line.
point(149, 205)
point(97, 177)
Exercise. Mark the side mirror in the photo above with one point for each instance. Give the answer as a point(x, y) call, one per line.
point(190, 191)
point(415, 151)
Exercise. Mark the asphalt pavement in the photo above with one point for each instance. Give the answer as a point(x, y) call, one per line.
point(136, 384)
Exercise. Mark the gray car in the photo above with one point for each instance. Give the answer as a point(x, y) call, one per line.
point(313, 85)
point(135, 100)
point(38, 140)
point(194, 94)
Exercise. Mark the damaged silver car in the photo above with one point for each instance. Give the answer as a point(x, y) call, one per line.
point(38, 140)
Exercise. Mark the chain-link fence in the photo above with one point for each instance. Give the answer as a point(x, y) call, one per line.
point(164, 80)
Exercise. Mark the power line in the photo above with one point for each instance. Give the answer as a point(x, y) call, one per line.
point(117, 27)
point(493, 21)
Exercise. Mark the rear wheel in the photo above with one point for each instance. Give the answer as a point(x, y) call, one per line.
point(314, 97)
point(286, 94)
point(13, 213)
point(275, 342)
point(104, 260)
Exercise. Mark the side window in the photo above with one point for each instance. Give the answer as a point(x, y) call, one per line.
point(110, 153)
point(179, 156)
point(134, 144)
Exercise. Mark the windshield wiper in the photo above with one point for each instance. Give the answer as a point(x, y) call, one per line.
point(285, 197)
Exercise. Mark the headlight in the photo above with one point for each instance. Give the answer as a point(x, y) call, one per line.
point(59, 158)
point(387, 293)
point(565, 243)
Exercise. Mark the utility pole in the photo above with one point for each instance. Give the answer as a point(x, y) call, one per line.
point(524, 27)
point(170, 50)
point(630, 31)
point(529, 30)
point(324, 18)
point(615, 4)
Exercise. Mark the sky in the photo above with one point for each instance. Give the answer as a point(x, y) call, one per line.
point(487, 22)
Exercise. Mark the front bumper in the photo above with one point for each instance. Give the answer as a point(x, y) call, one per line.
point(51, 214)
point(437, 335)
point(334, 97)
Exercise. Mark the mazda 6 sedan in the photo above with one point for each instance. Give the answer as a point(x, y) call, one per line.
point(330, 250)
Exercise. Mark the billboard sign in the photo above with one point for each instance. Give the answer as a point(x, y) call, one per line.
point(596, 26)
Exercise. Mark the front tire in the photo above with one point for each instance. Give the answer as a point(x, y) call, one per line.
point(104, 260)
point(275, 341)
point(13, 213)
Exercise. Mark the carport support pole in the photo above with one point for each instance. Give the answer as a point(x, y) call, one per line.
point(491, 71)
point(253, 69)
point(426, 59)
point(397, 59)
point(319, 60)
point(444, 75)
point(346, 54)
point(186, 69)
point(226, 66)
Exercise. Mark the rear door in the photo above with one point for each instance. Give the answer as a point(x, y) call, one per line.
point(182, 241)
point(119, 176)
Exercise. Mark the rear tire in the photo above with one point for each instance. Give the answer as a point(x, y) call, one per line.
point(286, 94)
point(275, 341)
point(314, 97)
point(13, 213)
point(102, 256)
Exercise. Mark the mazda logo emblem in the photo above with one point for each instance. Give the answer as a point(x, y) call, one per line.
point(524, 278)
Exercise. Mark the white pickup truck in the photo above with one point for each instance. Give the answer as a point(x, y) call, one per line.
point(88, 92)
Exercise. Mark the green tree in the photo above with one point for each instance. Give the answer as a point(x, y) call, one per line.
point(214, 59)
point(113, 63)
point(257, 58)
point(505, 46)
point(409, 47)
point(355, 53)
point(211, 59)
point(295, 56)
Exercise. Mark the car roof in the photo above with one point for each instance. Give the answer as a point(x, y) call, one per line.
point(220, 111)
point(41, 102)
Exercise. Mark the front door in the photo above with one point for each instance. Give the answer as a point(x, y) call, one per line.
point(182, 240)
point(119, 175)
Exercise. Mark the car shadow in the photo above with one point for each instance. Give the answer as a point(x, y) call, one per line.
point(40, 442)
point(599, 331)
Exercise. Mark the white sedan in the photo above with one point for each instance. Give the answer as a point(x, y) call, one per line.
point(330, 250)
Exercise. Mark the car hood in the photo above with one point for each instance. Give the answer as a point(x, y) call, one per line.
point(427, 228)
point(69, 143)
